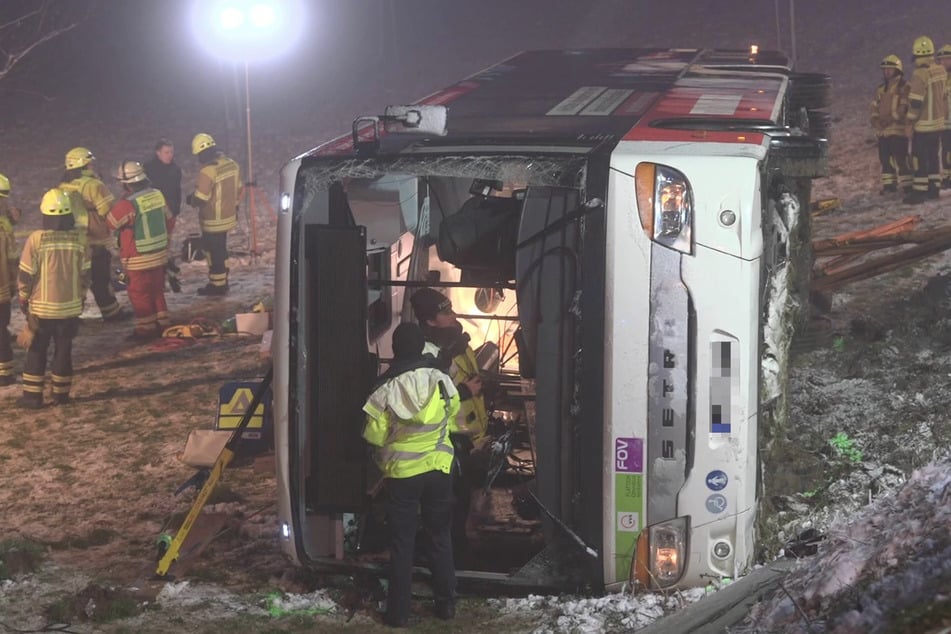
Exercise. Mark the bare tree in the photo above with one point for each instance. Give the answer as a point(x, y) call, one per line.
point(27, 24)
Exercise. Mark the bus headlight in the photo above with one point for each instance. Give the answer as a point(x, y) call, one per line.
point(665, 205)
point(661, 552)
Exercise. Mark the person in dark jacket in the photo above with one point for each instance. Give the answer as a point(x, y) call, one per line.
point(166, 176)
point(410, 414)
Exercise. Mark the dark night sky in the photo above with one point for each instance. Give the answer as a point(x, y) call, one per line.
point(137, 61)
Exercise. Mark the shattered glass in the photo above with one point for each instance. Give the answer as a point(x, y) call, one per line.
point(553, 171)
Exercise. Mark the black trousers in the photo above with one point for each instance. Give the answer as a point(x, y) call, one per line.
point(432, 492)
point(893, 156)
point(100, 273)
point(216, 249)
point(946, 152)
point(61, 332)
point(6, 347)
point(927, 156)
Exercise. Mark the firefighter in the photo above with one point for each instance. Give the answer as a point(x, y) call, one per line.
point(82, 184)
point(9, 215)
point(141, 218)
point(216, 197)
point(166, 176)
point(889, 111)
point(446, 341)
point(410, 413)
point(944, 58)
point(51, 287)
point(926, 114)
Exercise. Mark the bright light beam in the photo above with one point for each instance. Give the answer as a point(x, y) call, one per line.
point(247, 30)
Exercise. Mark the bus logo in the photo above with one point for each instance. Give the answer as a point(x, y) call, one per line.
point(629, 455)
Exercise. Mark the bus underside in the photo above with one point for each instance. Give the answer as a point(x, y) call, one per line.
point(516, 242)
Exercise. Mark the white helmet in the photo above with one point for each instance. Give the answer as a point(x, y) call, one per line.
point(130, 172)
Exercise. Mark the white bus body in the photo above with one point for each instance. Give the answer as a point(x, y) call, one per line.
point(636, 273)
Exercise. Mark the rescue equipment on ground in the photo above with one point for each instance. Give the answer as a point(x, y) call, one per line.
point(169, 547)
point(195, 329)
point(192, 248)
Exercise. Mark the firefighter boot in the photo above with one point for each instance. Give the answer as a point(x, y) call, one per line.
point(891, 188)
point(916, 197)
point(30, 400)
point(213, 291)
point(171, 276)
point(933, 190)
point(7, 380)
point(946, 183)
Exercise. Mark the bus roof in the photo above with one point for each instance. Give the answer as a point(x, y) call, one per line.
point(592, 97)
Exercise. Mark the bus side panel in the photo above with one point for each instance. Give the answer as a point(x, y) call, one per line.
point(626, 324)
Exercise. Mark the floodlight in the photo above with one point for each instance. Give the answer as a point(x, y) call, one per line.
point(248, 31)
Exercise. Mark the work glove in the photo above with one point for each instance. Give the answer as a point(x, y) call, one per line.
point(191, 201)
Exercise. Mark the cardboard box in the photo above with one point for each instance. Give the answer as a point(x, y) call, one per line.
point(252, 323)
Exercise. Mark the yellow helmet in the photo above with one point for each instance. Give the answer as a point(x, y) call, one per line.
point(944, 52)
point(201, 142)
point(923, 46)
point(55, 203)
point(130, 172)
point(892, 61)
point(79, 157)
point(4, 186)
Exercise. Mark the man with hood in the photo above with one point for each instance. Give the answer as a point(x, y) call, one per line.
point(410, 414)
point(446, 341)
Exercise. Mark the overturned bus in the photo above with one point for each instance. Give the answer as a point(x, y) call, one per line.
point(623, 234)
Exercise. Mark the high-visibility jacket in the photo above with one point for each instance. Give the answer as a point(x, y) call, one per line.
point(217, 192)
point(472, 419)
point(96, 201)
point(8, 255)
point(142, 221)
point(927, 101)
point(890, 107)
point(409, 419)
point(54, 273)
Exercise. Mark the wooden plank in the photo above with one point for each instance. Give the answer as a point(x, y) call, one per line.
point(883, 264)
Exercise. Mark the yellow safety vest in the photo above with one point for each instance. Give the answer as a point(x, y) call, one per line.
point(927, 101)
point(217, 189)
point(53, 273)
point(409, 419)
point(472, 419)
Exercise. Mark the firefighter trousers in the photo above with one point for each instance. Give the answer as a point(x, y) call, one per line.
point(927, 157)
point(946, 154)
point(429, 495)
point(100, 273)
point(61, 332)
point(893, 156)
point(146, 291)
point(216, 249)
point(6, 346)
